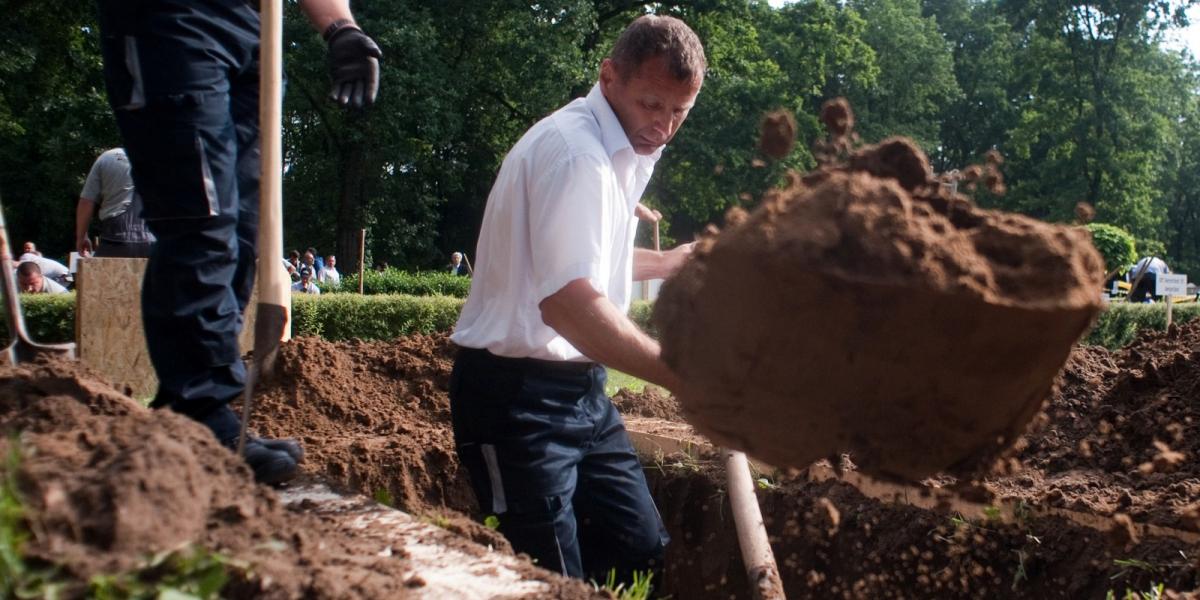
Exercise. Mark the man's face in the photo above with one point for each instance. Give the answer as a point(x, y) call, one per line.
point(31, 283)
point(309, 258)
point(455, 258)
point(28, 248)
point(650, 103)
point(331, 261)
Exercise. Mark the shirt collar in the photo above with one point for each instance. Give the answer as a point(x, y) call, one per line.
point(612, 135)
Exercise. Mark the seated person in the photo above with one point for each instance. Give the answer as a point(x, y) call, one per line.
point(31, 281)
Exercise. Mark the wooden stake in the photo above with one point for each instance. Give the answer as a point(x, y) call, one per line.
point(757, 556)
point(1168, 296)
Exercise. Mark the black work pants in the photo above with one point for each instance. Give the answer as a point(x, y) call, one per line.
point(182, 78)
point(548, 454)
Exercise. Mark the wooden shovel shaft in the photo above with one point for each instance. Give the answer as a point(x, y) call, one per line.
point(274, 285)
point(757, 556)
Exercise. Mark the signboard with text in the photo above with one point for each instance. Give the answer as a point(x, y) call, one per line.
point(1173, 284)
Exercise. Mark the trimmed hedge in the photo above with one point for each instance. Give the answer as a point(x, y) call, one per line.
point(51, 318)
point(380, 317)
point(1120, 322)
point(395, 281)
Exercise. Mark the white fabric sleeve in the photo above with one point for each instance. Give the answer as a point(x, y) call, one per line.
point(567, 222)
point(91, 186)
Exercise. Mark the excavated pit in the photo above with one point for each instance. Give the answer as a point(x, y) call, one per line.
point(865, 309)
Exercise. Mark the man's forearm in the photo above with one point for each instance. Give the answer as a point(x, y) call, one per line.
point(322, 13)
point(83, 217)
point(598, 329)
point(649, 264)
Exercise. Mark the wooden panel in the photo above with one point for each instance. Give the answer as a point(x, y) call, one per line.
point(108, 323)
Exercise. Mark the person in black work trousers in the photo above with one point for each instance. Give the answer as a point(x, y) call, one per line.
point(546, 449)
point(182, 79)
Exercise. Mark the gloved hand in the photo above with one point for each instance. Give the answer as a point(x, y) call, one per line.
point(354, 67)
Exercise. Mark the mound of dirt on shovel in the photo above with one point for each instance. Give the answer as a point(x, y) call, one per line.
point(867, 309)
point(105, 483)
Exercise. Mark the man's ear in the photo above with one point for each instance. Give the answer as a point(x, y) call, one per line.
point(608, 72)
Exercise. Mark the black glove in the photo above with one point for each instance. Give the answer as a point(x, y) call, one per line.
point(354, 67)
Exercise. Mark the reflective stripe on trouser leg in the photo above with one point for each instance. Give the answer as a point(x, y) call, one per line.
point(499, 504)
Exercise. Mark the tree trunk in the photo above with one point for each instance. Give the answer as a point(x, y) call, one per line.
point(350, 207)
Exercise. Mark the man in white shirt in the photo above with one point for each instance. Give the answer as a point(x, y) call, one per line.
point(329, 273)
point(31, 281)
point(546, 449)
point(306, 285)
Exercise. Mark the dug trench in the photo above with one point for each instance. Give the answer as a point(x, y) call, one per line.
point(375, 420)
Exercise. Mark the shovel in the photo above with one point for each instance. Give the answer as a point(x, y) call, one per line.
point(21, 349)
point(274, 285)
point(757, 557)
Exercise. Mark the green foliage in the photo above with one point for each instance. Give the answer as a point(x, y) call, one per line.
point(1115, 245)
point(17, 579)
point(396, 281)
point(1120, 323)
point(384, 497)
point(382, 317)
point(491, 522)
point(191, 572)
point(637, 589)
point(1155, 592)
point(618, 381)
point(50, 318)
point(640, 312)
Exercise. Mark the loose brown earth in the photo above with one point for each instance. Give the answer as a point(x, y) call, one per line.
point(867, 309)
point(108, 481)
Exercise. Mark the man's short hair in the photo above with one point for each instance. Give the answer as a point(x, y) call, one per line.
point(649, 36)
point(28, 268)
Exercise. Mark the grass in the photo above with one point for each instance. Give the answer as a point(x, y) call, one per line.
point(618, 381)
point(638, 589)
point(1156, 592)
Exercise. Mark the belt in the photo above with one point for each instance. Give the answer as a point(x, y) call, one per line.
point(529, 365)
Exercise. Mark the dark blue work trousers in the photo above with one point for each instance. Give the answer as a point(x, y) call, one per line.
point(182, 79)
point(548, 454)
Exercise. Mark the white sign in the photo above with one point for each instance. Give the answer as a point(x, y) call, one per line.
point(1170, 285)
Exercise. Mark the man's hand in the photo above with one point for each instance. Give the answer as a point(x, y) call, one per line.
point(354, 67)
point(647, 214)
point(84, 246)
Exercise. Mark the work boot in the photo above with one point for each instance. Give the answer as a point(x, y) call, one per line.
point(288, 445)
point(273, 461)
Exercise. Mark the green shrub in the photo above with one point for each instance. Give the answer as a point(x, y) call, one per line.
point(1115, 244)
point(381, 317)
point(49, 318)
point(395, 281)
point(639, 313)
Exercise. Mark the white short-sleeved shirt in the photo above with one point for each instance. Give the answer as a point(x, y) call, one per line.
point(561, 209)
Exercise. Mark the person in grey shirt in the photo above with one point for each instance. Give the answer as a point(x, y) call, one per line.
point(31, 281)
point(123, 233)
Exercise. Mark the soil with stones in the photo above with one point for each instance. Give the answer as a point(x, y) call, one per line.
point(1121, 434)
point(867, 309)
point(106, 483)
point(830, 541)
point(652, 401)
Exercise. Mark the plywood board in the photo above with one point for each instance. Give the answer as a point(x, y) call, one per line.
point(108, 323)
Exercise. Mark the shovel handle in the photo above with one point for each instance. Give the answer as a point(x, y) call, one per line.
point(757, 556)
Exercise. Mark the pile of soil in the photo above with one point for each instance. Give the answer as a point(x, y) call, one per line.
point(652, 401)
point(830, 541)
point(106, 482)
point(1121, 433)
point(374, 418)
point(865, 308)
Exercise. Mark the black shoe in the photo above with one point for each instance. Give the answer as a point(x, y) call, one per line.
point(270, 466)
point(288, 445)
